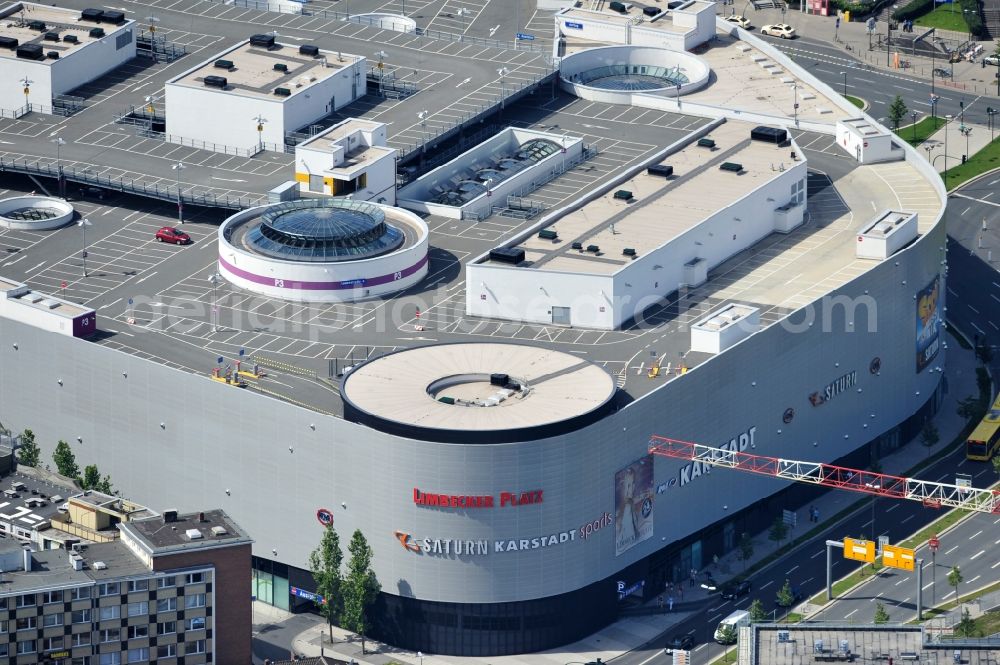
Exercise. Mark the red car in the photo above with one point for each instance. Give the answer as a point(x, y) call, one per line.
point(170, 234)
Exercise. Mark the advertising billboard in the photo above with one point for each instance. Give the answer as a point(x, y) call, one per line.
point(928, 324)
point(633, 504)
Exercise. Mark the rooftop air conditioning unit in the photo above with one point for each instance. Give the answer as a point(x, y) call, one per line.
point(309, 49)
point(70, 39)
point(262, 41)
point(113, 17)
point(91, 15)
point(97, 33)
point(30, 52)
point(282, 92)
point(37, 25)
point(224, 64)
point(100, 565)
point(8, 42)
point(216, 82)
point(219, 531)
point(169, 515)
point(193, 534)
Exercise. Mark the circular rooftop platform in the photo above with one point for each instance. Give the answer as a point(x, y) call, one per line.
point(611, 73)
point(34, 213)
point(323, 250)
point(477, 393)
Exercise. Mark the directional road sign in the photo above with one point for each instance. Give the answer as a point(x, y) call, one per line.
point(859, 550)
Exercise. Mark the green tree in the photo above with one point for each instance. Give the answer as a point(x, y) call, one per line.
point(324, 564)
point(996, 464)
point(746, 544)
point(65, 460)
point(91, 479)
point(28, 452)
point(881, 616)
point(778, 530)
point(970, 408)
point(967, 625)
point(955, 578)
point(727, 635)
point(929, 435)
point(757, 611)
point(897, 111)
point(785, 597)
point(360, 587)
point(104, 485)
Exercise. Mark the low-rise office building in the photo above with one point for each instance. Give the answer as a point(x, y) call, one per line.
point(170, 590)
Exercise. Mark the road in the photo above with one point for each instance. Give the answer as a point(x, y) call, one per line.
point(830, 64)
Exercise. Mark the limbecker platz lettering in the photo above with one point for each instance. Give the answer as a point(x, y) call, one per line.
point(468, 501)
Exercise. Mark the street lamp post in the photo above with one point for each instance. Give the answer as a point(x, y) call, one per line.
point(381, 55)
point(966, 131)
point(26, 84)
point(913, 116)
point(83, 224)
point(178, 167)
point(214, 278)
point(844, 74)
point(947, 121)
point(260, 120)
point(462, 13)
point(990, 113)
point(934, 101)
point(795, 103)
point(62, 180)
point(422, 117)
point(152, 20)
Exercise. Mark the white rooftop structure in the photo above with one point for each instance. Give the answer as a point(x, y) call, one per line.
point(349, 158)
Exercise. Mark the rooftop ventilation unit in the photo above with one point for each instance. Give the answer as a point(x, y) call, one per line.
point(663, 170)
point(219, 531)
point(511, 255)
point(193, 534)
point(37, 25)
point(76, 561)
point(216, 81)
point(282, 92)
point(113, 17)
point(91, 15)
point(71, 39)
point(651, 11)
point(97, 33)
point(499, 379)
point(52, 55)
point(262, 41)
point(169, 515)
point(309, 49)
point(51, 36)
point(30, 52)
point(280, 67)
point(8, 43)
point(100, 565)
point(774, 135)
point(223, 64)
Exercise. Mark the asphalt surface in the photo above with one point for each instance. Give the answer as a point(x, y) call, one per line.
point(829, 64)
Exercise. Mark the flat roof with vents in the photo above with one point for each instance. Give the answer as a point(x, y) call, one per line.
point(16, 18)
point(253, 73)
point(210, 528)
point(15, 292)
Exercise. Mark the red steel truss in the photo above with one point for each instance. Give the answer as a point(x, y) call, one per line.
point(857, 480)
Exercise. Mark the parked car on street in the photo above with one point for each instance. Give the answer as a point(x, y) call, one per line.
point(736, 590)
point(741, 21)
point(679, 643)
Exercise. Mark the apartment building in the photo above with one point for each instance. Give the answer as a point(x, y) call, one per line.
point(171, 589)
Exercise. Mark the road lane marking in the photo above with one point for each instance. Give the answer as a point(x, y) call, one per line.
point(900, 582)
point(952, 549)
point(973, 309)
point(975, 578)
point(906, 520)
point(794, 568)
point(143, 279)
point(976, 555)
point(927, 586)
point(820, 553)
point(715, 618)
point(975, 534)
point(995, 565)
point(892, 508)
point(848, 615)
point(36, 267)
point(772, 582)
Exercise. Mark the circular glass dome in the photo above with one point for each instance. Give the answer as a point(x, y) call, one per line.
point(324, 230)
point(632, 78)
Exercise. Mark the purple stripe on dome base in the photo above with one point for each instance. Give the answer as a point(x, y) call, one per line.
point(343, 285)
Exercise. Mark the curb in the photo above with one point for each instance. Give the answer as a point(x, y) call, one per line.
point(991, 172)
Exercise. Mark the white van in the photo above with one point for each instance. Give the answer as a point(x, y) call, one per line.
point(734, 620)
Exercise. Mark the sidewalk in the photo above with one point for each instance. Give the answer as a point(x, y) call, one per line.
point(958, 144)
point(853, 40)
point(959, 382)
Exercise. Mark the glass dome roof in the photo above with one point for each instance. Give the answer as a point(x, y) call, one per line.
point(324, 230)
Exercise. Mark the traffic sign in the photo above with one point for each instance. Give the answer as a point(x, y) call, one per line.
point(934, 543)
point(859, 550)
point(525, 36)
point(62, 285)
point(130, 301)
point(898, 557)
point(219, 360)
point(242, 352)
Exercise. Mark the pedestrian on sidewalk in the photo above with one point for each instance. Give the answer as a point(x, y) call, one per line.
point(660, 602)
point(680, 592)
point(694, 577)
point(816, 514)
point(670, 604)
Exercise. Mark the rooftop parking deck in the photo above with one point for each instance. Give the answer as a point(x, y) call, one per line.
point(24, 25)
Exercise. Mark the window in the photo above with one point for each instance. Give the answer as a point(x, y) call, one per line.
point(113, 612)
point(50, 597)
point(81, 639)
point(85, 660)
point(53, 643)
point(166, 627)
point(138, 585)
point(138, 655)
point(138, 609)
point(4, 649)
point(111, 635)
point(81, 616)
point(26, 646)
point(3, 627)
point(198, 646)
point(194, 600)
point(164, 582)
point(166, 605)
point(50, 620)
point(123, 40)
point(135, 632)
point(26, 600)
point(111, 658)
point(80, 593)
point(108, 589)
point(27, 623)
point(166, 651)
point(196, 623)
point(194, 578)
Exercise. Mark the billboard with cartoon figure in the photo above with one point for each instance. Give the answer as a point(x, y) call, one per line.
point(634, 504)
point(928, 324)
